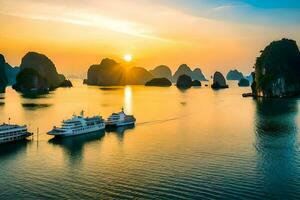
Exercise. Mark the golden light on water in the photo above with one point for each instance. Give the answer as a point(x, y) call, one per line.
point(127, 57)
point(128, 99)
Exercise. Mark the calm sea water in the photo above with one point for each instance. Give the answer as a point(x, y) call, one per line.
point(193, 144)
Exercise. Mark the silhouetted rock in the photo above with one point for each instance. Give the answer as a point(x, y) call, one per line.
point(182, 70)
point(109, 72)
point(38, 73)
point(219, 81)
point(138, 76)
point(198, 75)
point(277, 70)
point(249, 78)
point(244, 83)
point(66, 83)
point(11, 73)
point(234, 75)
point(3, 78)
point(185, 69)
point(44, 66)
point(162, 71)
point(196, 83)
point(184, 81)
point(159, 82)
point(30, 81)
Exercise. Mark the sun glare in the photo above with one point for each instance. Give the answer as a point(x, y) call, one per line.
point(127, 57)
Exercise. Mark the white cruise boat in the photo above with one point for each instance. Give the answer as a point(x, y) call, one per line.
point(12, 132)
point(120, 119)
point(78, 125)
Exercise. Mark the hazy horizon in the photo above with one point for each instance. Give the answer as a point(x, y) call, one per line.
point(211, 35)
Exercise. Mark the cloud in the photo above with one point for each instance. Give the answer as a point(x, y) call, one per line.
point(83, 17)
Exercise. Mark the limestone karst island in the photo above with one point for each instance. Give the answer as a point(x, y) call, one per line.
point(140, 99)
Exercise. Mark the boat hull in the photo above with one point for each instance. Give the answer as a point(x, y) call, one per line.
point(117, 124)
point(15, 138)
point(70, 133)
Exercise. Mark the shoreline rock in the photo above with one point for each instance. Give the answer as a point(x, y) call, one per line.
point(243, 83)
point(219, 81)
point(160, 82)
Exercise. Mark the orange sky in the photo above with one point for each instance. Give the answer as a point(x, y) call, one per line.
point(76, 35)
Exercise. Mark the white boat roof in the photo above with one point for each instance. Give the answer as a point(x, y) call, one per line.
point(9, 126)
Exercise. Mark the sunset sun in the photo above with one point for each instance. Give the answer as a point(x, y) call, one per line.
point(127, 57)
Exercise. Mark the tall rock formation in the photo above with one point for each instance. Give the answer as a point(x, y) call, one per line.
point(234, 75)
point(182, 70)
point(38, 73)
point(138, 76)
point(198, 75)
point(3, 78)
point(219, 81)
point(277, 70)
point(109, 73)
point(162, 71)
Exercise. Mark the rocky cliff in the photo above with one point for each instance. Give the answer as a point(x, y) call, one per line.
point(185, 69)
point(109, 72)
point(277, 70)
point(3, 77)
point(162, 71)
point(234, 75)
point(38, 73)
point(198, 75)
point(219, 81)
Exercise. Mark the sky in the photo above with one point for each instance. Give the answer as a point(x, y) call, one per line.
point(210, 34)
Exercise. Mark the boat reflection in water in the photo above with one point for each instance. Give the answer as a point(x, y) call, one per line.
point(120, 130)
point(74, 146)
point(10, 150)
point(276, 147)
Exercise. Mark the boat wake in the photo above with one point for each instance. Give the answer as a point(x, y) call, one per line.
point(158, 121)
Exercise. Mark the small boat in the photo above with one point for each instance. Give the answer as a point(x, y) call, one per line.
point(13, 132)
point(120, 119)
point(78, 125)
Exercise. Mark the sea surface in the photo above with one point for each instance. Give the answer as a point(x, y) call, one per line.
point(187, 144)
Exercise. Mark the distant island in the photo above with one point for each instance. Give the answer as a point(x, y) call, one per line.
point(243, 82)
point(186, 70)
point(234, 75)
point(38, 75)
point(3, 77)
point(162, 71)
point(162, 82)
point(276, 74)
point(8, 74)
point(219, 81)
point(185, 81)
point(277, 70)
point(110, 73)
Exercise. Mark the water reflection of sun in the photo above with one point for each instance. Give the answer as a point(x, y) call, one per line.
point(128, 99)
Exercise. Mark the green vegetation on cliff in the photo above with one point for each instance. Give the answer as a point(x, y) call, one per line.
point(277, 70)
